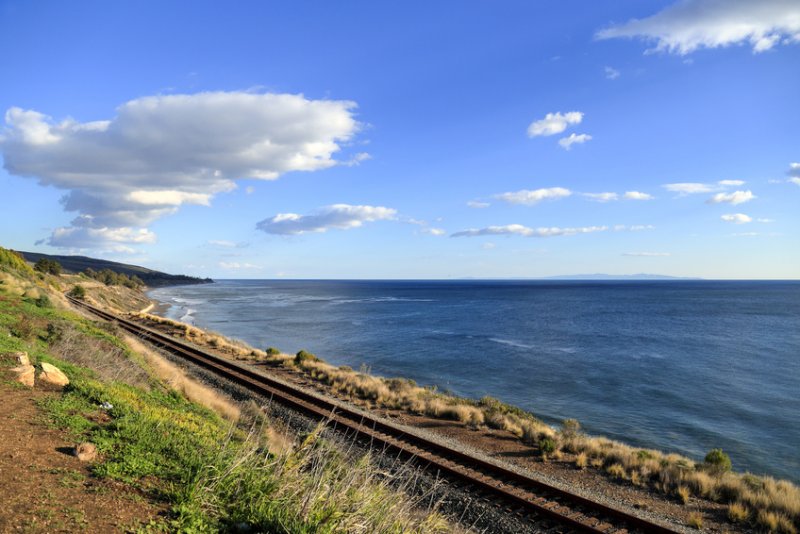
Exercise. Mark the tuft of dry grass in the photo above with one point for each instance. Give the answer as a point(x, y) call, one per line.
point(684, 494)
point(616, 471)
point(738, 513)
point(695, 520)
point(581, 460)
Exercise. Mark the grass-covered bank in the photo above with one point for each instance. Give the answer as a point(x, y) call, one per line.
point(750, 500)
point(214, 474)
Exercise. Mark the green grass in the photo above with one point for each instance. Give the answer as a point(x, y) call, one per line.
point(214, 476)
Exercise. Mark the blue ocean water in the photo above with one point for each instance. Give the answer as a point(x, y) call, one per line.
point(681, 366)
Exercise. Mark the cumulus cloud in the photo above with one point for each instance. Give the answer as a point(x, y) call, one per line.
point(477, 204)
point(554, 123)
point(161, 152)
point(611, 73)
point(692, 188)
point(567, 142)
point(647, 254)
point(601, 197)
point(794, 180)
point(738, 218)
point(636, 195)
point(735, 198)
point(530, 197)
point(339, 216)
point(524, 231)
point(115, 239)
point(688, 25)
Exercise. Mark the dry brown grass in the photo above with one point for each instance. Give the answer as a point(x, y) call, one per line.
point(177, 379)
point(695, 520)
point(683, 493)
point(109, 361)
point(738, 513)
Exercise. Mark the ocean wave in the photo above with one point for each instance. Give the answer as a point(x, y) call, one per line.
point(511, 343)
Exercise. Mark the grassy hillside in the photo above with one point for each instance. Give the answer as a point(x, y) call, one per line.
point(214, 473)
point(76, 264)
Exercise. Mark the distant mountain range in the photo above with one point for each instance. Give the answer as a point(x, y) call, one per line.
point(599, 276)
point(76, 264)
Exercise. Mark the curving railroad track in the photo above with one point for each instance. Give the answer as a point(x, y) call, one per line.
point(519, 494)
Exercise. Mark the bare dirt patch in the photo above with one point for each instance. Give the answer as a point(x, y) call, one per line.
point(45, 488)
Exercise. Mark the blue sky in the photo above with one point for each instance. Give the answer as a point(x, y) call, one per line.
point(405, 140)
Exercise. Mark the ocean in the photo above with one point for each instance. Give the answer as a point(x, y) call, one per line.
point(680, 366)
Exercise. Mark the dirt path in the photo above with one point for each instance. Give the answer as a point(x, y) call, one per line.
point(43, 488)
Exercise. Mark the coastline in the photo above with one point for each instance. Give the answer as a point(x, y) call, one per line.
point(577, 458)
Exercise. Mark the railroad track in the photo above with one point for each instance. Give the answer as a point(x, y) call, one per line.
point(519, 494)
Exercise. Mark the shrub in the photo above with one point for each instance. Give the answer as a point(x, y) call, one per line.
point(570, 428)
point(304, 356)
point(718, 461)
point(547, 446)
point(683, 494)
point(272, 351)
point(43, 302)
point(14, 260)
point(77, 292)
point(48, 266)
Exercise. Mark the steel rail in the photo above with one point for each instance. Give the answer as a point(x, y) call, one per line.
point(524, 494)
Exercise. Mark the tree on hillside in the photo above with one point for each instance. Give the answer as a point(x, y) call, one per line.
point(45, 265)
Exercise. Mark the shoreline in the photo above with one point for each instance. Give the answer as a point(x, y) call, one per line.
point(627, 473)
point(613, 426)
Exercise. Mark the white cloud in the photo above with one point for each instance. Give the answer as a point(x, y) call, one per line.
point(689, 188)
point(488, 246)
point(434, 231)
point(636, 195)
point(794, 180)
point(530, 197)
point(647, 254)
point(115, 239)
point(633, 228)
point(339, 216)
point(222, 243)
point(688, 25)
point(554, 123)
point(766, 221)
point(168, 198)
point(611, 73)
point(160, 152)
point(601, 197)
point(738, 218)
point(476, 204)
point(524, 231)
point(567, 142)
point(794, 169)
point(735, 198)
